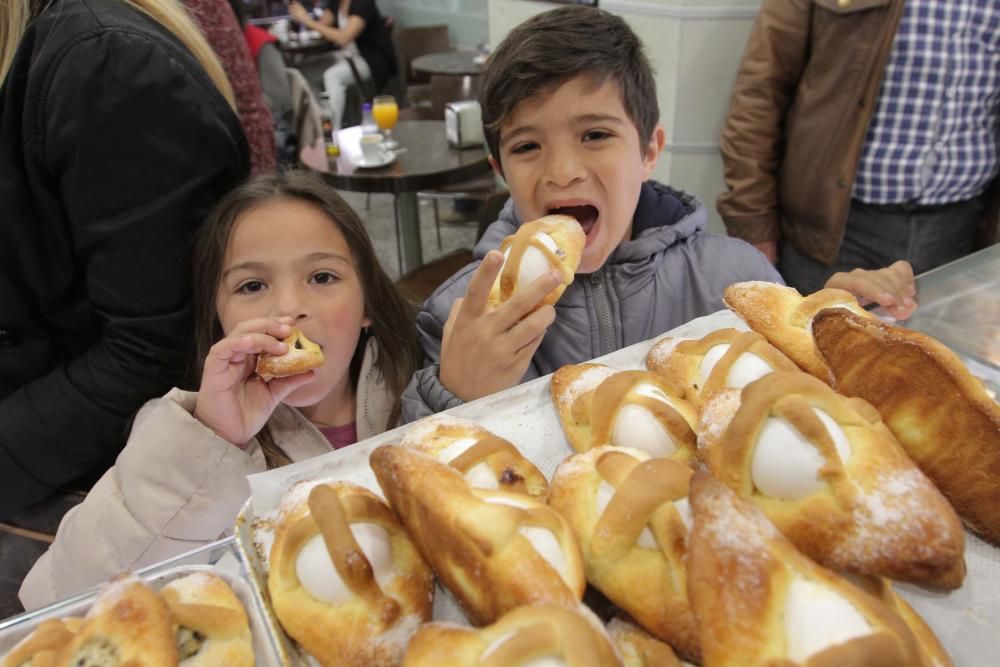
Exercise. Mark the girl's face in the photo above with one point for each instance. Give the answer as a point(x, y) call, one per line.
point(287, 259)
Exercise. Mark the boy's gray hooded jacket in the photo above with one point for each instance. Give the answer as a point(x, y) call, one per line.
point(669, 273)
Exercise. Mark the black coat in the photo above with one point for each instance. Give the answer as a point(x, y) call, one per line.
point(114, 146)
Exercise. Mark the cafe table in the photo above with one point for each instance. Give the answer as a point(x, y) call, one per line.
point(425, 161)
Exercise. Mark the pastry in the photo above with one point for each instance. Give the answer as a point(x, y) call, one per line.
point(42, 646)
point(939, 412)
point(833, 479)
point(128, 624)
point(785, 317)
point(211, 623)
point(487, 461)
point(551, 242)
point(303, 355)
point(724, 359)
point(638, 649)
point(631, 516)
point(493, 550)
point(345, 581)
point(599, 406)
point(535, 636)
point(758, 601)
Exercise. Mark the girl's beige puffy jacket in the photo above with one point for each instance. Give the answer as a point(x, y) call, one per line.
point(175, 487)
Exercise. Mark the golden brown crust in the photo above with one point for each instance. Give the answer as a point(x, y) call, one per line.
point(569, 239)
point(303, 355)
point(475, 540)
point(639, 649)
point(520, 636)
point(372, 626)
point(646, 579)
point(590, 398)
point(740, 572)
point(875, 514)
point(510, 470)
point(940, 413)
point(128, 621)
point(679, 362)
point(204, 603)
point(784, 317)
point(41, 647)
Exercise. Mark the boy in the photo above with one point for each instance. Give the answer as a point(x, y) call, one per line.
point(571, 119)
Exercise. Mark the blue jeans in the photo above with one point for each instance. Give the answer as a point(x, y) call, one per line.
point(876, 236)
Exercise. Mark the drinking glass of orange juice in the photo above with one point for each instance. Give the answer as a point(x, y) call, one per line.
point(385, 111)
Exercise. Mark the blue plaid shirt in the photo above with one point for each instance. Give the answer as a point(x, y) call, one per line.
point(934, 135)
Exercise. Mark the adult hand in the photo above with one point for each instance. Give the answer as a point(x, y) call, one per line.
point(298, 12)
point(892, 288)
point(233, 401)
point(770, 250)
point(484, 350)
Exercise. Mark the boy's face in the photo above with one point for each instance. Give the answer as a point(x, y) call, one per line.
point(574, 150)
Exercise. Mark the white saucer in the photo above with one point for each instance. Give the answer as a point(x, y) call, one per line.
point(387, 157)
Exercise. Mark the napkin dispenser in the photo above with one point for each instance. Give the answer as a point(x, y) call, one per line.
point(464, 123)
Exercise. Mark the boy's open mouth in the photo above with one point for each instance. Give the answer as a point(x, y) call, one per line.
point(586, 215)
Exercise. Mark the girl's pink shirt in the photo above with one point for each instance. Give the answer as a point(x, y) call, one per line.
point(341, 436)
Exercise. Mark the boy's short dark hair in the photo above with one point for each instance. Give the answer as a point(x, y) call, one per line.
point(562, 44)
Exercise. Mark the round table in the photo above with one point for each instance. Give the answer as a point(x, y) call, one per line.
point(453, 63)
point(428, 162)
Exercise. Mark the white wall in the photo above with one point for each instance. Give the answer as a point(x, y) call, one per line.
point(695, 47)
point(466, 19)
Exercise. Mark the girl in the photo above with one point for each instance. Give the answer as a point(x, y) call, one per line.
point(279, 251)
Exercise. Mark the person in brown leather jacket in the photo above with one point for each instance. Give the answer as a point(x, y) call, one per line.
point(847, 144)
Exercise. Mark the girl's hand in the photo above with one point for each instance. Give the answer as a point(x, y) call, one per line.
point(233, 401)
point(892, 288)
point(298, 12)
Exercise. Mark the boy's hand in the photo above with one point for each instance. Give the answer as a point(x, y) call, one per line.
point(892, 287)
point(485, 351)
point(233, 401)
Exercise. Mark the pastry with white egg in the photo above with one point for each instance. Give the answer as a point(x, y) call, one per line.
point(128, 624)
point(833, 479)
point(345, 580)
point(302, 355)
point(638, 648)
point(487, 461)
point(724, 359)
point(599, 406)
point(531, 636)
point(212, 629)
point(759, 601)
point(42, 646)
point(494, 550)
point(630, 513)
point(550, 242)
point(785, 317)
point(940, 413)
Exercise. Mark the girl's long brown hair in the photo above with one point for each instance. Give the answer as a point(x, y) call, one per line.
point(392, 316)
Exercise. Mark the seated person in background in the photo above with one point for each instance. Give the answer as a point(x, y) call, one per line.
point(358, 29)
point(118, 133)
point(279, 251)
point(576, 132)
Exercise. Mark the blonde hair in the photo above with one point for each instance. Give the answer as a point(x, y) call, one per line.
point(168, 13)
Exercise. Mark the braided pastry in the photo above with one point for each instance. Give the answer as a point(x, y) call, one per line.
point(631, 516)
point(940, 413)
point(785, 317)
point(551, 242)
point(487, 461)
point(599, 405)
point(832, 478)
point(493, 550)
point(345, 580)
point(303, 355)
point(639, 649)
point(212, 627)
point(533, 636)
point(42, 646)
point(758, 601)
point(724, 359)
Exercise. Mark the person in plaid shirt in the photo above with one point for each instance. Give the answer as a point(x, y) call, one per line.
point(862, 132)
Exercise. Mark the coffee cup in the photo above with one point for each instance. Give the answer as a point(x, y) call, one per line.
point(371, 147)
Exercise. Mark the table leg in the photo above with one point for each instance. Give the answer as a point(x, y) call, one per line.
point(409, 223)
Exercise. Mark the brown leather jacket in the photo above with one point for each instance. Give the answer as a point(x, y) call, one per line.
point(800, 108)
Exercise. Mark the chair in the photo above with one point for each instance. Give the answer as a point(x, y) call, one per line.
point(411, 43)
point(307, 123)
